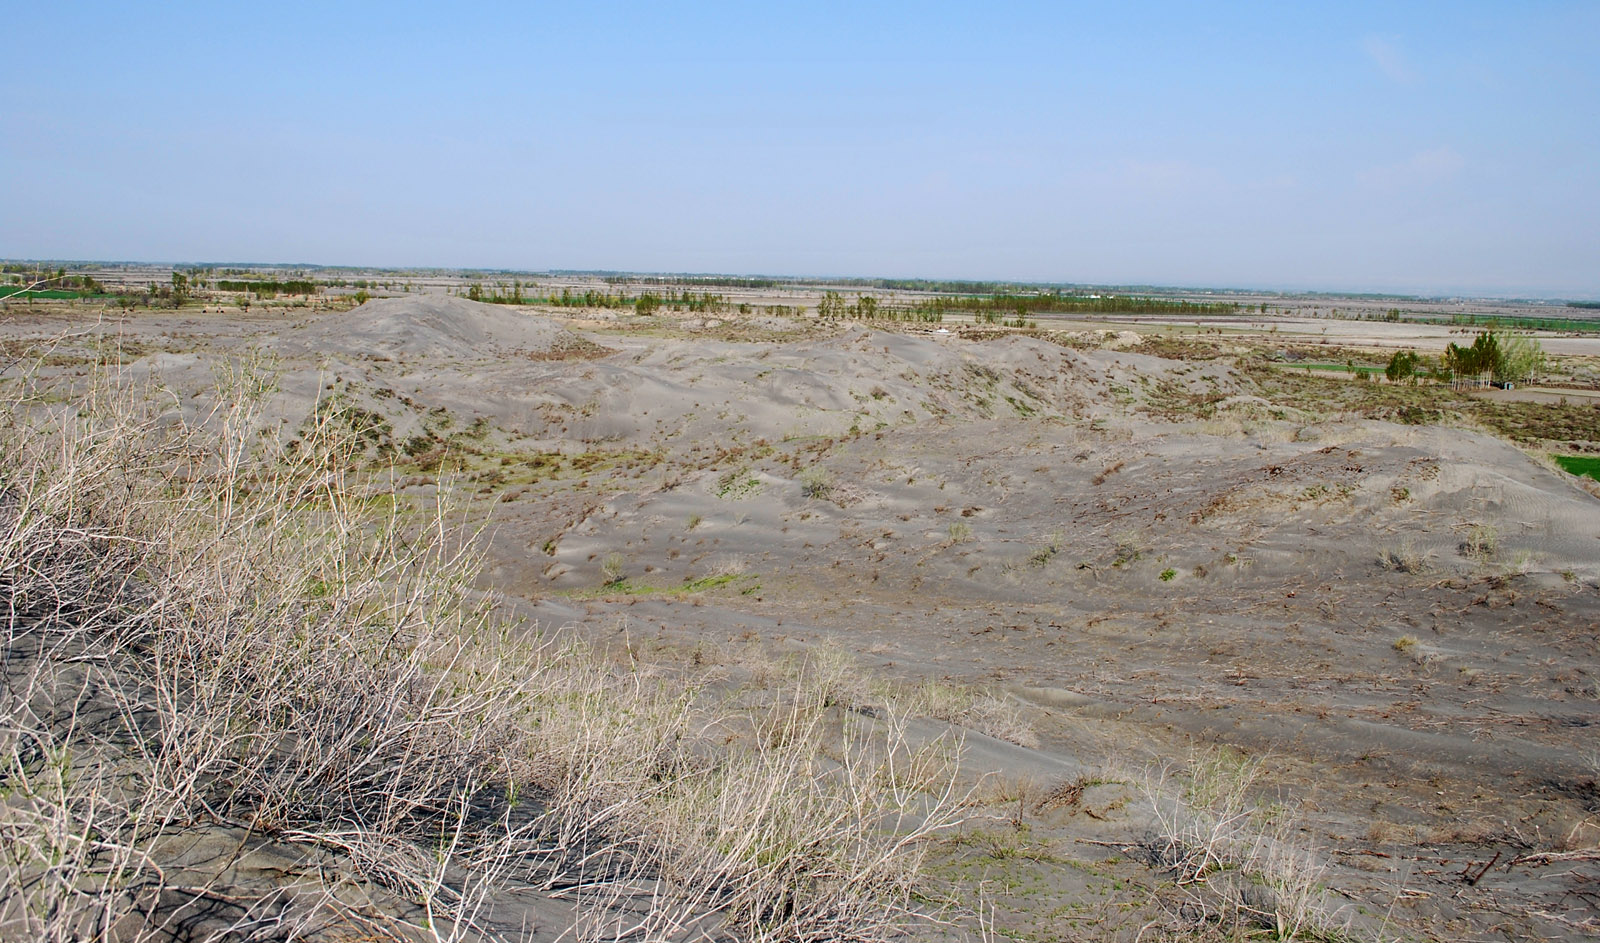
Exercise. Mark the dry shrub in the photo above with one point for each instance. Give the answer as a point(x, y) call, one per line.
point(968, 707)
point(1405, 558)
point(1231, 860)
point(209, 633)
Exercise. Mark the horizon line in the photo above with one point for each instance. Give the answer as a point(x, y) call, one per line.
point(1528, 295)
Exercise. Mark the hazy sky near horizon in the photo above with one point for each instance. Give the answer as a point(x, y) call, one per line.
point(1418, 147)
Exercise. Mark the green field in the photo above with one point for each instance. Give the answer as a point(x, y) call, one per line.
point(1515, 323)
point(1580, 464)
point(53, 294)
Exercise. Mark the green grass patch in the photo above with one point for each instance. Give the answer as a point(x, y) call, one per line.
point(50, 294)
point(1581, 465)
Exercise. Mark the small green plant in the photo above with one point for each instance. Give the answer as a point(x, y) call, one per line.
point(738, 484)
point(1168, 575)
point(1405, 643)
point(613, 568)
point(1042, 555)
point(1127, 549)
point(815, 483)
point(959, 532)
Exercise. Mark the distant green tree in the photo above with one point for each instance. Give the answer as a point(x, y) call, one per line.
point(1519, 358)
point(831, 305)
point(1402, 367)
point(1473, 363)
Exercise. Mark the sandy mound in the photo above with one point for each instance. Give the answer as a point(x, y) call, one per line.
point(434, 326)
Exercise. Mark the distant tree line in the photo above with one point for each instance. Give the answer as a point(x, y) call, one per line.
point(270, 287)
point(502, 294)
point(1057, 303)
point(48, 283)
point(516, 293)
point(712, 281)
point(1492, 357)
point(868, 308)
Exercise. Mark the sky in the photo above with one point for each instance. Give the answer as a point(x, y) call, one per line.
point(1431, 148)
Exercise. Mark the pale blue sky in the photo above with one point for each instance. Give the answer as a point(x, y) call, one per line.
point(1422, 147)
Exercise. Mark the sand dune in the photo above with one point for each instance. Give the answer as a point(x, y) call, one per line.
point(431, 326)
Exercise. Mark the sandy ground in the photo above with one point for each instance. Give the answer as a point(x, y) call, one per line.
point(1399, 622)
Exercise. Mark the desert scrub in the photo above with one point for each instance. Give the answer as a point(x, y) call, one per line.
point(973, 708)
point(613, 568)
point(1127, 547)
point(211, 635)
point(1405, 558)
point(1481, 542)
point(1046, 552)
point(815, 483)
point(1233, 862)
point(737, 485)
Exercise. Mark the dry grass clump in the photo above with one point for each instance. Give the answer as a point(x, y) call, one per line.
point(1482, 541)
point(968, 707)
point(211, 640)
point(1405, 558)
point(1233, 862)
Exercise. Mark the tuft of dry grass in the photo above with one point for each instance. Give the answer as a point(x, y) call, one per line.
point(1405, 558)
point(1482, 542)
point(1236, 864)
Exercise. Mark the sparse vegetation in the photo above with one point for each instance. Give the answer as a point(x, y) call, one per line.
point(212, 636)
point(1482, 541)
point(1232, 861)
point(815, 483)
point(1405, 558)
point(669, 756)
point(613, 568)
point(1046, 552)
